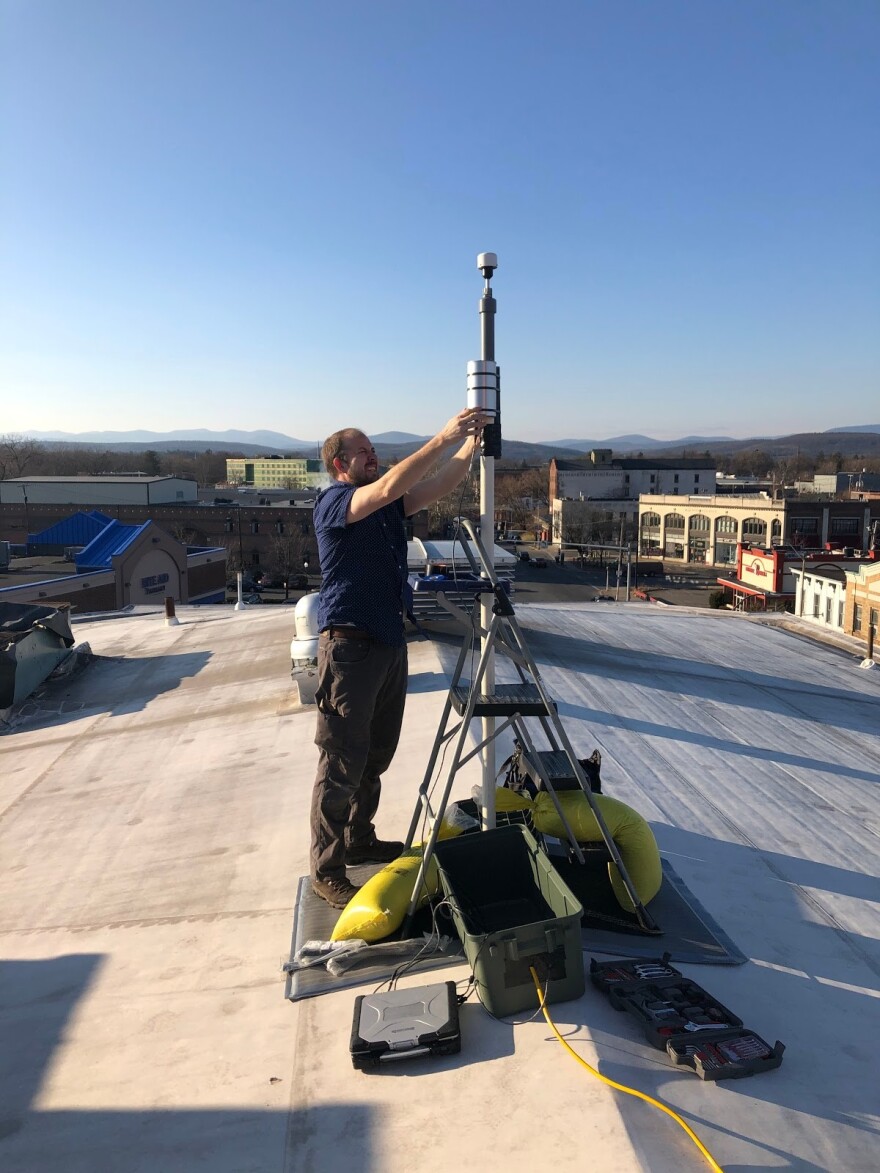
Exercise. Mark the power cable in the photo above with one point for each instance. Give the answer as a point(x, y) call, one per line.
point(621, 1087)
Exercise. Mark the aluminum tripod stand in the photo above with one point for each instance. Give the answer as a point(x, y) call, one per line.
point(514, 703)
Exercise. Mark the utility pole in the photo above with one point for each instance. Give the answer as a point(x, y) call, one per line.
point(27, 524)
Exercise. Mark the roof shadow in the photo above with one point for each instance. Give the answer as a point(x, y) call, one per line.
point(706, 741)
point(37, 1002)
point(111, 684)
point(842, 708)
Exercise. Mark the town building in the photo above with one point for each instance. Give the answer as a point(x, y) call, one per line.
point(840, 483)
point(744, 485)
point(604, 477)
point(131, 489)
point(276, 472)
point(120, 565)
point(707, 530)
point(598, 498)
point(863, 603)
point(257, 537)
point(265, 533)
point(810, 583)
point(820, 595)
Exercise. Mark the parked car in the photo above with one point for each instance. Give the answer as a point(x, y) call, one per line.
point(525, 556)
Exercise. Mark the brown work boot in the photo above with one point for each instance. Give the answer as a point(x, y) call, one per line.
point(336, 892)
point(378, 851)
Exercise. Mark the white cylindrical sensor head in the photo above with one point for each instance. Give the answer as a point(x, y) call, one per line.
point(482, 385)
point(487, 261)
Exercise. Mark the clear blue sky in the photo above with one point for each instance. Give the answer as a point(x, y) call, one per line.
point(265, 214)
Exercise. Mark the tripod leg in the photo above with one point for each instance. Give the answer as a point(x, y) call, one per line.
point(529, 747)
point(644, 917)
point(438, 741)
point(467, 716)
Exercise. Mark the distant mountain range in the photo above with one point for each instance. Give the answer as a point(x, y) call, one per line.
point(263, 440)
point(634, 443)
point(863, 439)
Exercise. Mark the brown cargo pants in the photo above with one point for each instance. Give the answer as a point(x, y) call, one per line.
point(360, 696)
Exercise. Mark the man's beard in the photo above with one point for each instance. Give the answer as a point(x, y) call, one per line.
point(367, 477)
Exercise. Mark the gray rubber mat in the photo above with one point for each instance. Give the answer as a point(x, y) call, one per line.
point(688, 933)
point(314, 920)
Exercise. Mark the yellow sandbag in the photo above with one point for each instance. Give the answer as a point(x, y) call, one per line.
point(510, 800)
point(379, 907)
point(634, 838)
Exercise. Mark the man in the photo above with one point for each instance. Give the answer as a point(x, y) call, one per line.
point(362, 662)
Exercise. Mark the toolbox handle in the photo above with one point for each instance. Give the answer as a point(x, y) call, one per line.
point(516, 950)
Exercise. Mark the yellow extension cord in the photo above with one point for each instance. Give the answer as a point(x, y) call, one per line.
point(621, 1087)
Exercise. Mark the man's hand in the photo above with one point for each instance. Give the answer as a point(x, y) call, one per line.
point(399, 481)
point(469, 422)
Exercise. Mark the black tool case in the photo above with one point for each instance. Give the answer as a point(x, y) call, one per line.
point(680, 1017)
point(405, 1023)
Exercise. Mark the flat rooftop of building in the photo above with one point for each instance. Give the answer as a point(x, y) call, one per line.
point(35, 568)
point(251, 498)
point(154, 825)
point(100, 479)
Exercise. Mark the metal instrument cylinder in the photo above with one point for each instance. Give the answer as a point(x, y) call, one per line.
point(482, 385)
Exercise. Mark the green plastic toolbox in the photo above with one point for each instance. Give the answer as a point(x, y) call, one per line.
point(512, 911)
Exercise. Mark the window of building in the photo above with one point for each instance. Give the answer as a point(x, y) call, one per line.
point(650, 520)
point(840, 613)
point(775, 529)
point(805, 525)
point(753, 527)
point(845, 527)
point(675, 522)
point(675, 479)
point(857, 617)
point(696, 478)
point(699, 523)
point(725, 525)
point(653, 478)
point(872, 619)
point(816, 601)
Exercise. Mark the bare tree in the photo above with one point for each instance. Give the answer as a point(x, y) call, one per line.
point(463, 501)
point(16, 454)
point(235, 559)
point(286, 553)
point(187, 535)
point(96, 462)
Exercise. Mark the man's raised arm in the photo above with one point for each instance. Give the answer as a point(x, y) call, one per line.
point(426, 492)
point(403, 477)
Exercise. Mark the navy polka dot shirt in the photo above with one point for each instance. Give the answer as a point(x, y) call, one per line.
point(363, 565)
